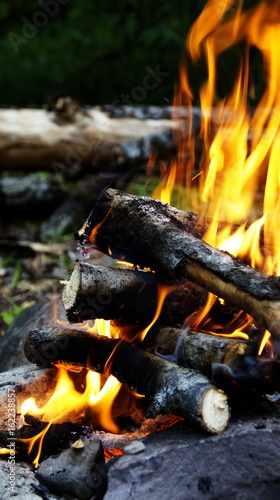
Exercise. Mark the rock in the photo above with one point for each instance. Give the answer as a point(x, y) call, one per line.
point(21, 482)
point(184, 464)
point(134, 447)
point(29, 193)
point(22, 383)
point(79, 472)
point(11, 344)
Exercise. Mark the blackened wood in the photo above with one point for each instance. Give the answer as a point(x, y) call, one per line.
point(170, 388)
point(57, 438)
point(110, 293)
point(152, 234)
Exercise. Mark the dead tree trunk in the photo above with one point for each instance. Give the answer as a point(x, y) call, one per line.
point(149, 233)
point(170, 388)
point(110, 293)
point(36, 138)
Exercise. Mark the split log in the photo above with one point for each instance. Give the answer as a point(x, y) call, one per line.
point(150, 234)
point(37, 138)
point(196, 350)
point(110, 293)
point(170, 388)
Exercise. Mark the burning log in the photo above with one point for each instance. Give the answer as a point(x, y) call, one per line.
point(170, 388)
point(152, 234)
point(222, 359)
point(58, 437)
point(109, 293)
point(196, 350)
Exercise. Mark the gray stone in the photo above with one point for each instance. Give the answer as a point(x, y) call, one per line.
point(21, 383)
point(241, 464)
point(134, 447)
point(79, 472)
point(12, 343)
point(20, 482)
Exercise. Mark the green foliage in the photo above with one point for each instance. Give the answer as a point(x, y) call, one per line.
point(95, 51)
point(9, 316)
point(16, 274)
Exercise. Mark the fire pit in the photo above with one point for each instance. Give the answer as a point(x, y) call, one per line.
point(181, 334)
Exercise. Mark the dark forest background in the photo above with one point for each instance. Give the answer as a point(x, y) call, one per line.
point(98, 51)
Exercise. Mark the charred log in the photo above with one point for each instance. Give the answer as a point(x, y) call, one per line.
point(170, 388)
point(151, 234)
point(110, 293)
point(57, 438)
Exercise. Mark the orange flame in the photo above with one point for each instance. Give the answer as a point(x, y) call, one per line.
point(241, 149)
point(67, 401)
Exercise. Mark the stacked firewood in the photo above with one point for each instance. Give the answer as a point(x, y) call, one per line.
point(172, 367)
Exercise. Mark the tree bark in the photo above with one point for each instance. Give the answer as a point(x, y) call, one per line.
point(152, 234)
point(170, 388)
point(196, 350)
point(37, 138)
point(132, 296)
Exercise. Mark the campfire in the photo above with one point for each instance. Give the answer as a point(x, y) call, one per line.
point(187, 317)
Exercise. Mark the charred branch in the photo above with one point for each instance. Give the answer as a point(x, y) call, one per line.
point(169, 388)
point(150, 234)
point(58, 437)
point(110, 293)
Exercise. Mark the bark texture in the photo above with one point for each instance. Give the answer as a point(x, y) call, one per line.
point(110, 293)
point(152, 234)
point(196, 349)
point(37, 138)
point(170, 388)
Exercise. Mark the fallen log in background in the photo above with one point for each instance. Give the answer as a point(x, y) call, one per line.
point(37, 138)
point(149, 233)
point(109, 293)
point(170, 388)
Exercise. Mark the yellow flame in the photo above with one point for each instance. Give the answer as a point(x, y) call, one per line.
point(163, 291)
point(241, 149)
point(66, 400)
point(264, 342)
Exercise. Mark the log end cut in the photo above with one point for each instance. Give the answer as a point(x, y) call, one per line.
point(215, 411)
point(71, 290)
